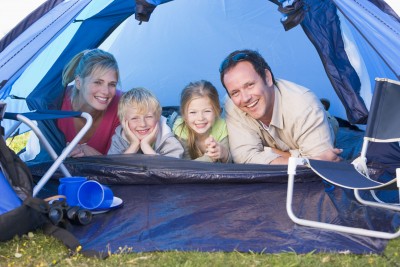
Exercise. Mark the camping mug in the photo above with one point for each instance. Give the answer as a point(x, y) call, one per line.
point(69, 187)
point(93, 195)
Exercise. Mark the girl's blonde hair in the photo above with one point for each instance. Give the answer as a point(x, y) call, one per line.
point(85, 63)
point(141, 99)
point(192, 91)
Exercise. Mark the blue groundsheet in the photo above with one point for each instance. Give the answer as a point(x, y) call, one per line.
point(173, 204)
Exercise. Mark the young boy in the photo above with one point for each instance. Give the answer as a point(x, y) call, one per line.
point(143, 129)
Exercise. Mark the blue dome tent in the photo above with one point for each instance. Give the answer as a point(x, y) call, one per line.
point(336, 48)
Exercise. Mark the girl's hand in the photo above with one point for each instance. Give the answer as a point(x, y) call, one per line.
point(215, 150)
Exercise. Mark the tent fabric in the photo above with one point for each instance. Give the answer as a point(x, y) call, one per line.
point(376, 26)
point(29, 20)
point(335, 56)
point(219, 217)
point(329, 44)
point(173, 204)
point(386, 9)
point(27, 45)
point(149, 169)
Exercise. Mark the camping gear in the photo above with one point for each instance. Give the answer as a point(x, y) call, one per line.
point(93, 195)
point(50, 115)
point(69, 187)
point(60, 211)
point(383, 126)
point(30, 213)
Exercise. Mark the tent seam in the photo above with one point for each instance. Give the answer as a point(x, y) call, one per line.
point(37, 35)
point(367, 10)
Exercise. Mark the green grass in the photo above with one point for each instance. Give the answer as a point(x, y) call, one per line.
point(37, 249)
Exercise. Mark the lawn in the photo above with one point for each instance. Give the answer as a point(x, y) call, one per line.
point(37, 249)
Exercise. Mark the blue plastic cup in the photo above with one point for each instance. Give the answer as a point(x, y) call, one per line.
point(93, 195)
point(69, 187)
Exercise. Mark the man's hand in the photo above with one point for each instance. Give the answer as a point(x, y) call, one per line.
point(282, 159)
point(331, 154)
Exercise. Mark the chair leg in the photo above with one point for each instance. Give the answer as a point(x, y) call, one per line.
point(327, 226)
point(44, 141)
point(374, 204)
point(58, 162)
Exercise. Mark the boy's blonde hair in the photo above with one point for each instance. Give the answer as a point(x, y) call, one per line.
point(141, 99)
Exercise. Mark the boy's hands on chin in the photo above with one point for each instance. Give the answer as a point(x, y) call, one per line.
point(131, 137)
point(147, 142)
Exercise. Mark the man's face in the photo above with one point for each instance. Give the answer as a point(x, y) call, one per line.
point(249, 92)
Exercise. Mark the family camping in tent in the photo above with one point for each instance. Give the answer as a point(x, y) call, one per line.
point(336, 48)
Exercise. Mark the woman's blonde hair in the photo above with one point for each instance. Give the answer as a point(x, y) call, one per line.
point(192, 91)
point(141, 99)
point(85, 63)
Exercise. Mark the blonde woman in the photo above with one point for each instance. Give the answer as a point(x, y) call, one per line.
point(95, 74)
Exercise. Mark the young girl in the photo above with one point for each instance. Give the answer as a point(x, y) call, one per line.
point(201, 131)
point(143, 129)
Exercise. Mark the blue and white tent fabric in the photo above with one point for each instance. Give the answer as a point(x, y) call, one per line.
point(337, 50)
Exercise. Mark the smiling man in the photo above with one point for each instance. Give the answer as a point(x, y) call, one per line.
point(270, 120)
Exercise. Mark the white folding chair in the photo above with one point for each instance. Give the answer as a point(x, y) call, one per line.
point(383, 126)
point(29, 117)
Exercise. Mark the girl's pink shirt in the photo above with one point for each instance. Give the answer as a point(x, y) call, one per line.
point(101, 139)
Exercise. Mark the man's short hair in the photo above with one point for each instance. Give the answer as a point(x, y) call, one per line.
point(251, 56)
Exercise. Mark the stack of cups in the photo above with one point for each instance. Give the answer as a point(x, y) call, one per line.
point(85, 193)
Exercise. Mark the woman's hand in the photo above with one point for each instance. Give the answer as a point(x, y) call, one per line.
point(215, 150)
point(89, 151)
point(76, 152)
point(82, 150)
